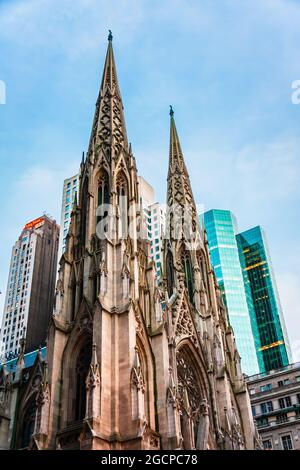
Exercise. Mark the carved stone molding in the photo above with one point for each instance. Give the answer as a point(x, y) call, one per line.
point(184, 325)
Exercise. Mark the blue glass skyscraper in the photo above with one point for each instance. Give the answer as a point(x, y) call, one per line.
point(221, 229)
point(270, 336)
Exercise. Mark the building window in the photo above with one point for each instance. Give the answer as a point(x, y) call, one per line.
point(262, 422)
point(285, 402)
point(297, 378)
point(266, 407)
point(287, 443)
point(267, 444)
point(281, 418)
point(282, 383)
point(266, 387)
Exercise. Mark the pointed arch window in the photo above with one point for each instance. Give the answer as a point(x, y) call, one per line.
point(122, 201)
point(82, 368)
point(188, 276)
point(203, 268)
point(84, 209)
point(170, 273)
point(72, 299)
point(103, 196)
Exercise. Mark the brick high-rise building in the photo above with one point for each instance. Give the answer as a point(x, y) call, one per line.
point(30, 287)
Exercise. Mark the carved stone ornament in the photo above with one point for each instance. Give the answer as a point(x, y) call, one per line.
point(184, 326)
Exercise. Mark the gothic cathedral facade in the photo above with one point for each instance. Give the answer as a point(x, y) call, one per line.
point(133, 364)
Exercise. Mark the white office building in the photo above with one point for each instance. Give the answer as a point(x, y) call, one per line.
point(155, 221)
point(70, 188)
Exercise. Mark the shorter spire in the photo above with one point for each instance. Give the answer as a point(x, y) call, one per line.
point(171, 111)
point(110, 36)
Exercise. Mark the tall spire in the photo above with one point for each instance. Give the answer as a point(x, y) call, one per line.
point(179, 186)
point(109, 131)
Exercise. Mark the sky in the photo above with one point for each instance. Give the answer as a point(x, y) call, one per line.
point(226, 66)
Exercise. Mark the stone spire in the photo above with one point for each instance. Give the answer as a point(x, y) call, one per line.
point(109, 131)
point(179, 186)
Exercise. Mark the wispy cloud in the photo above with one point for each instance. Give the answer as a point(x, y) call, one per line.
point(54, 23)
point(271, 169)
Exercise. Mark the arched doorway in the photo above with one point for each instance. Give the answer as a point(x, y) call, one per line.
point(28, 422)
point(81, 370)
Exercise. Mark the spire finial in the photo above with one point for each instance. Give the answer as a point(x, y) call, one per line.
point(171, 111)
point(110, 36)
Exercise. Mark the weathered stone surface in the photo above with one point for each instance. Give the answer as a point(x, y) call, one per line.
point(121, 374)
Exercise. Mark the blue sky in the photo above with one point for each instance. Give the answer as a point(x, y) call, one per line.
point(226, 66)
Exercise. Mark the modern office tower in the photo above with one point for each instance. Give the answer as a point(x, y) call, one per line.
point(155, 221)
point(30, 287)
point(70, 188)
point(221, 229)
point(270, 336)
